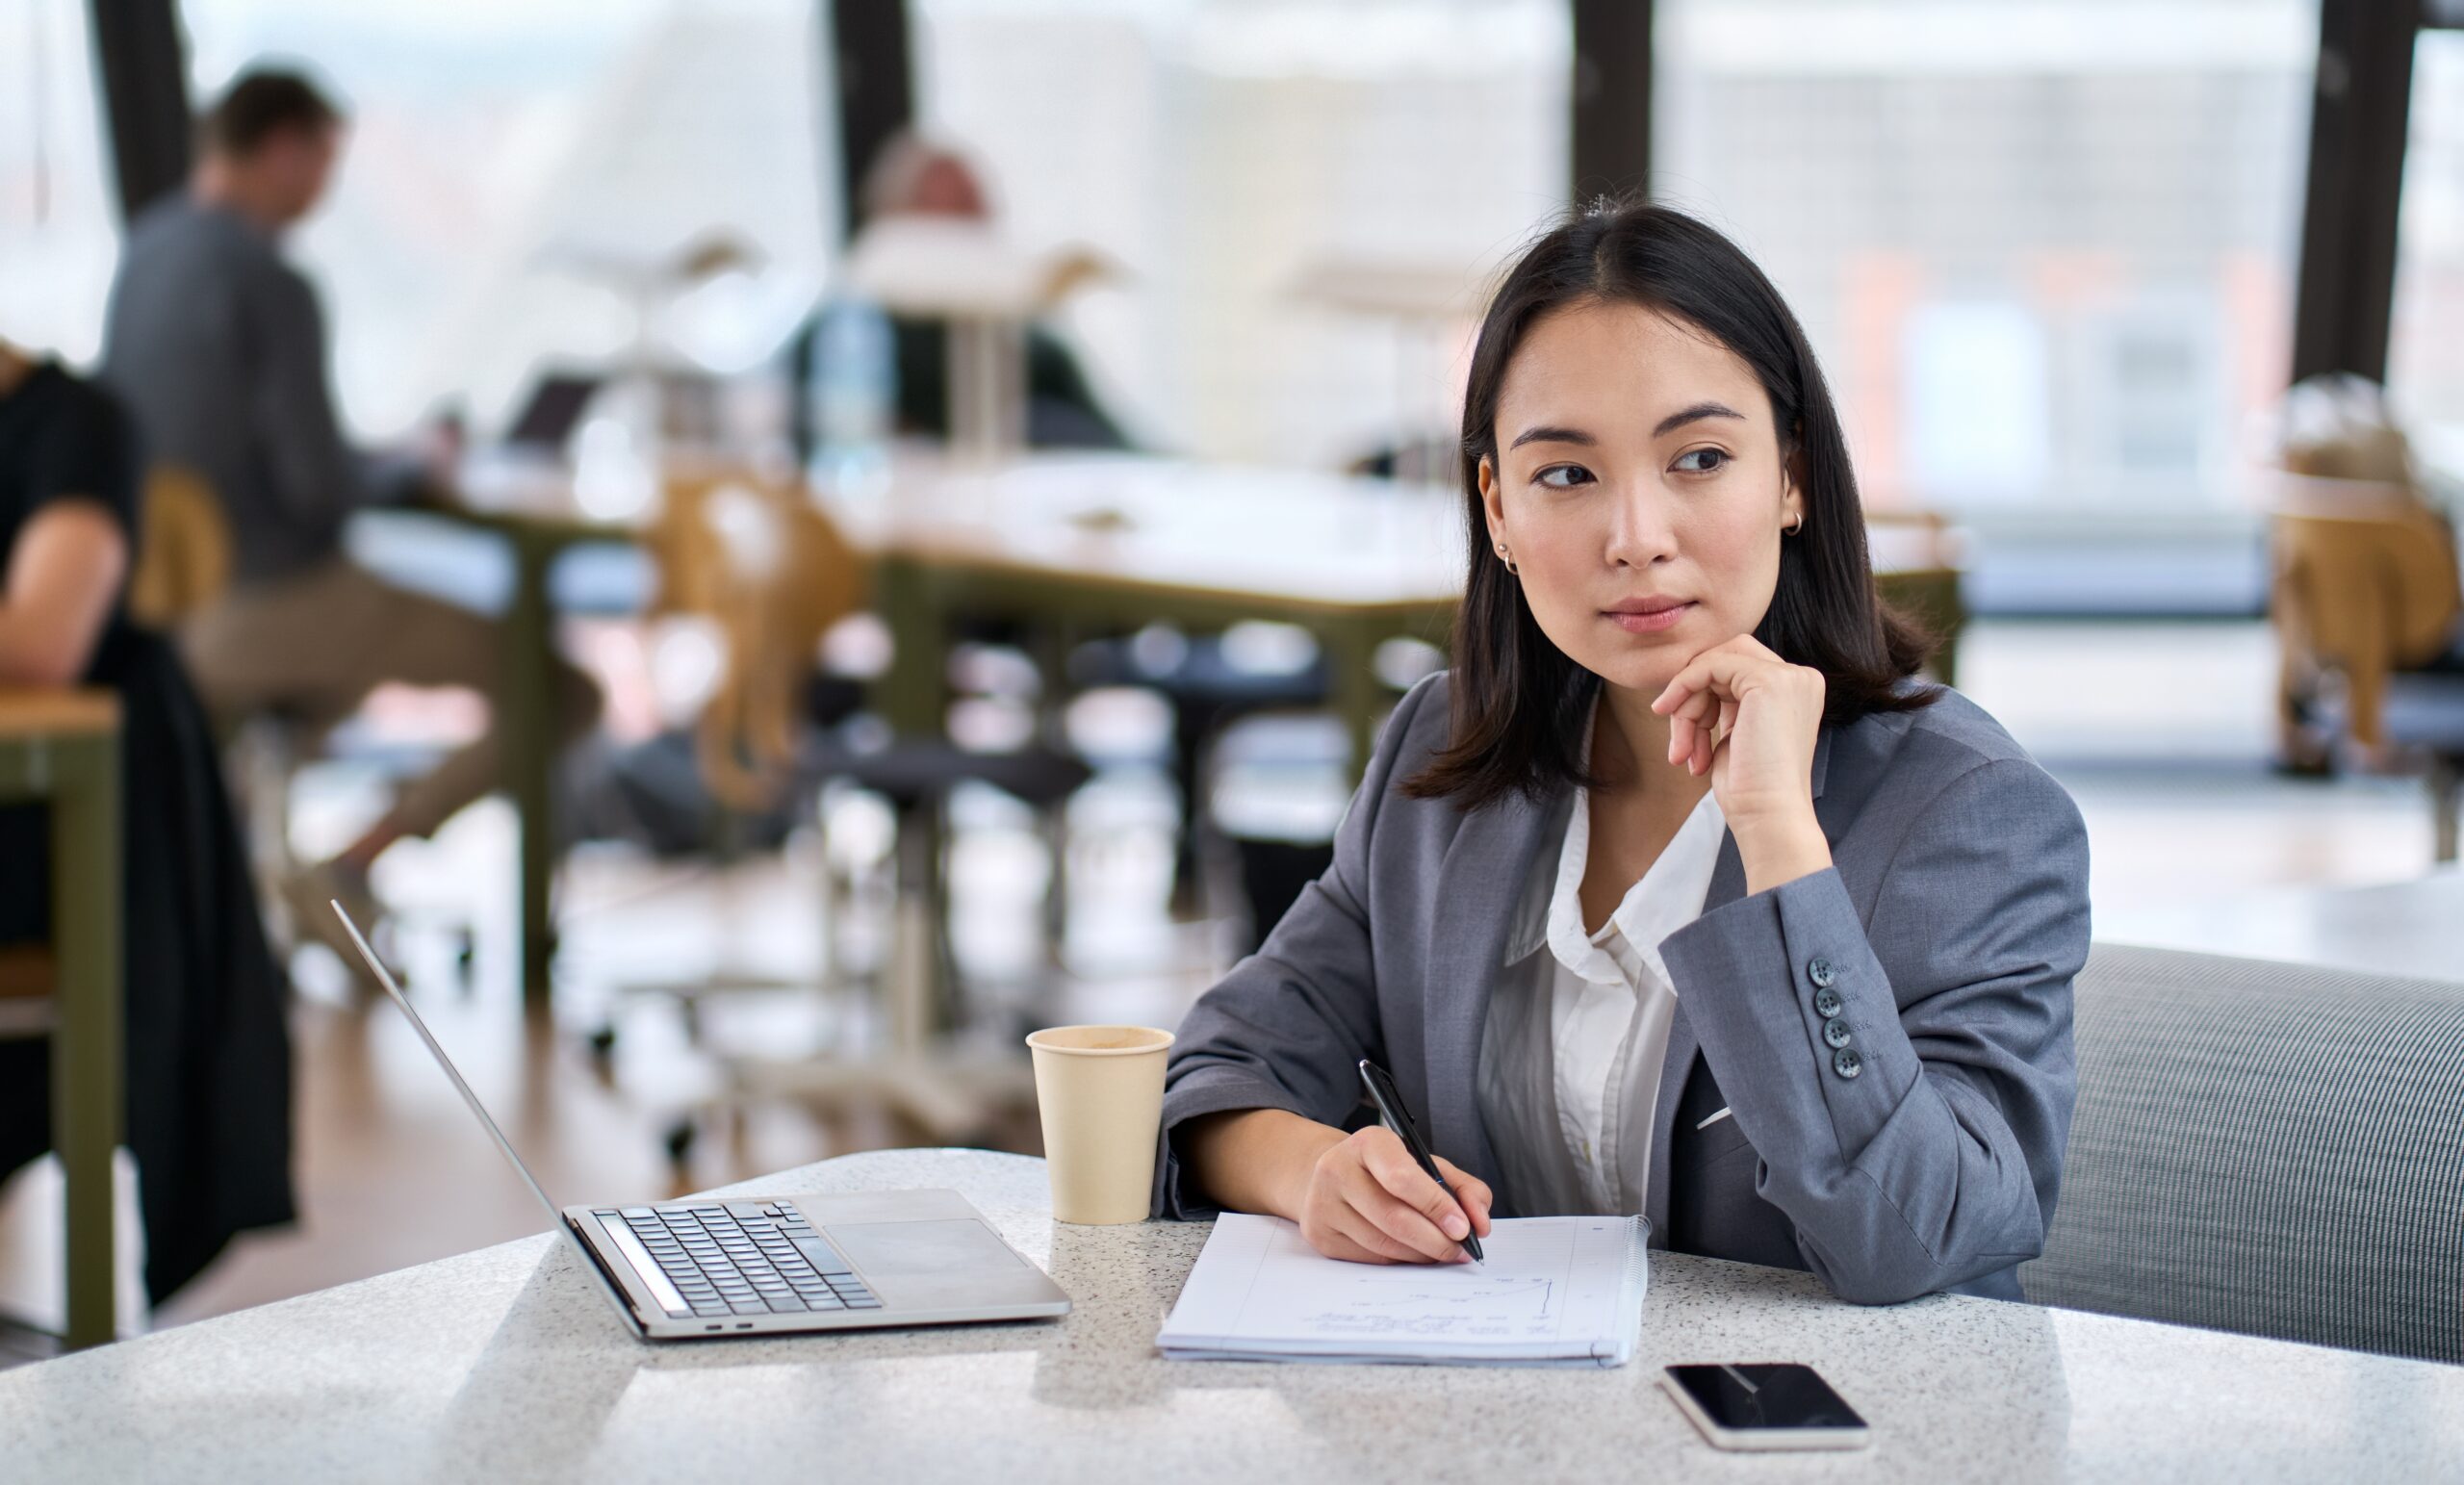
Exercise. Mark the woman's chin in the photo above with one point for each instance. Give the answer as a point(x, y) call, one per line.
point(1647, 674)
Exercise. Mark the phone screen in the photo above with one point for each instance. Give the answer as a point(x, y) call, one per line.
point(1755, 1395)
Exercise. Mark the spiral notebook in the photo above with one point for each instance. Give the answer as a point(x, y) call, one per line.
point(1554, 1291)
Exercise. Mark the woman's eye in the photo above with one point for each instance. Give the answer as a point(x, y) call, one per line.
point(1702, 461)
point(1563, 476)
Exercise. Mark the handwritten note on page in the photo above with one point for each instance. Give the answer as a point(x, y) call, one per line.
point(1562, 1290)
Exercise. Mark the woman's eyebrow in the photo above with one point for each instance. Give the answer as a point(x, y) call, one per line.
point(1546, 434)
point(1697, 412)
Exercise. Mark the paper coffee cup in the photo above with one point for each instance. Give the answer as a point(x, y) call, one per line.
point(1099, 1090)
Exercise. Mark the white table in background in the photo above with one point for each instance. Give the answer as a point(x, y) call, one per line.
point(2394, 928)
point(504, 1364)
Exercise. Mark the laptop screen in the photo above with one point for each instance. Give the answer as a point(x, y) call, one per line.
point(555, 1217)
point(553, 412)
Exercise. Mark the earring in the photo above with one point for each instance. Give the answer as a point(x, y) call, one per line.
point(1796, 525)
point(1507, 558)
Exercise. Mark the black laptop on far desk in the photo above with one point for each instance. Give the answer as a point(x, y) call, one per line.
point(552, 411)
point(757, 1265)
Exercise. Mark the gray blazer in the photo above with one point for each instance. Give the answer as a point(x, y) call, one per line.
point(1948, 929)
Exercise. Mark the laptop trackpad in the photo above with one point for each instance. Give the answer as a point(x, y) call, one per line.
point(949, 1259)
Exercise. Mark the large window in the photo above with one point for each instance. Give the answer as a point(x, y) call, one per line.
point(519, 172)
point(1296, 189)
point(2426, 351)
point(2044, 247)
point(58, 225)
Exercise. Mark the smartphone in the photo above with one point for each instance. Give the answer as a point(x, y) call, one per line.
point(1764, 1405)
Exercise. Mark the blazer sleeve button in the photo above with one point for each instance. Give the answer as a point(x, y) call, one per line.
point(1820, 972)
point(1827, 1003)
point(1835, 1032)
point(1846, 1063)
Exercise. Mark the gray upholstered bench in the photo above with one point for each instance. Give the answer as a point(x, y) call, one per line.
point(2268, 1148)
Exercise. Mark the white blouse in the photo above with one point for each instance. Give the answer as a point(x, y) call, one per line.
point(1570, 1059)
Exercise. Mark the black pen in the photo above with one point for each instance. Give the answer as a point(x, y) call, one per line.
point(1392, 1112)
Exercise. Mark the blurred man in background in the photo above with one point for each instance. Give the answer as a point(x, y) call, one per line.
point(218, 346)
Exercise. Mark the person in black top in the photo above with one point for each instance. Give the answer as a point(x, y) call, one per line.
point(208, 1057)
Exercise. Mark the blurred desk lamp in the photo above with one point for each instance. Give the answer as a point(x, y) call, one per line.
point(665, 401)
point(962, 273)
point(1428, 301)
point(651, 281)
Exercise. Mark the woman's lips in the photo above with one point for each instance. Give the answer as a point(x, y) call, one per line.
point(1650, 623)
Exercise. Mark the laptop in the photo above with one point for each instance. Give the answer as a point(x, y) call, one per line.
point(552, 411)
point(768, 1266)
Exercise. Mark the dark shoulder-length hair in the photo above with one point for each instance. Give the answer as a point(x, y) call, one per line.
point(1520, 704)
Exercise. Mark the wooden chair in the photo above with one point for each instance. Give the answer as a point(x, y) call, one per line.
point(2365, 598)
point(761, 563)
point(184, 549)
point(26, 976)
point(774, 573)
point(2363, 586)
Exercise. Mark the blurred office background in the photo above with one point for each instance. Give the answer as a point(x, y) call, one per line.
point(2063, 260)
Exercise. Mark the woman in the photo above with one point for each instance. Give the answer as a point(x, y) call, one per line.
point(1676, 895)
point(209, 1064)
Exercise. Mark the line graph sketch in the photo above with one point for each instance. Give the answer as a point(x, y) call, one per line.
point(1523, 1297)
point(1410, 1304)
point(1517, 1292)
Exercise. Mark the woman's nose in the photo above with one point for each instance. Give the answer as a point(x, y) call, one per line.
point(1642, 530)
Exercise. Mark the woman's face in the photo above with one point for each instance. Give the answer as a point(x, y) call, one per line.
point(1639, 487)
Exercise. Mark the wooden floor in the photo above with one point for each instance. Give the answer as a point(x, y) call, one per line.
point(2160, 732)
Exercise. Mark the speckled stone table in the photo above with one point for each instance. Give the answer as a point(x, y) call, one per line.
point(505, 1365)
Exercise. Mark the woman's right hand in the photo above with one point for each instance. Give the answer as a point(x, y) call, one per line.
point(1368, 1202)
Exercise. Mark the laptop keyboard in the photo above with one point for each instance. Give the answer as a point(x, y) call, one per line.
point(744, 1257)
